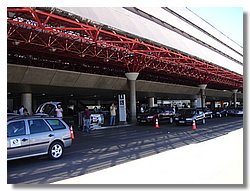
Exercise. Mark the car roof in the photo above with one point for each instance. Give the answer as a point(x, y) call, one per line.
point(52, 102)
point(30, 117)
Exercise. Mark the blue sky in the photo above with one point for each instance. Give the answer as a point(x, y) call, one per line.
point(228, 20)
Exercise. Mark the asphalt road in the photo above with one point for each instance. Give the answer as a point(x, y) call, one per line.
point(109, 147)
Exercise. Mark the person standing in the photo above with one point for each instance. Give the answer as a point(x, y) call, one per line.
point(21, 110)
point(112, 114)
point(59, 111)
point(87, 119)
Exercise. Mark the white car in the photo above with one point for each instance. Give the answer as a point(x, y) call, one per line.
point(48, 108)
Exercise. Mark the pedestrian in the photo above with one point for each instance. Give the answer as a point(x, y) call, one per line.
point(21, 110)
point(112, 114)
point(87, 119)
point(59, 111)
point(25, 111)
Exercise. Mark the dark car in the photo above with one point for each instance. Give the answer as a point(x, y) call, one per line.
point(220, 112)
point(161, 113)
point(188, 115)
point(238, 111)
point(208, 113)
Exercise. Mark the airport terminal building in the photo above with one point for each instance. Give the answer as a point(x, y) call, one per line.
point(89, 56)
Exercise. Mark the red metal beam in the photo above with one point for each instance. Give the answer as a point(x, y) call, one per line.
point(54, 32)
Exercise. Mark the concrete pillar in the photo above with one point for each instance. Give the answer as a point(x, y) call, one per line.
point(132, 76)
point(235, 97)
point(203, 95)
point(98, 102)
point(26, 101)
point(151, 102)
point(193, 103)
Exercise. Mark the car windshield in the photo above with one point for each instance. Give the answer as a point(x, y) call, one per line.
point(152, 110)
point(186, 112)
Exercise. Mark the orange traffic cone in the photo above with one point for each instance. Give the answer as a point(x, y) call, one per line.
point(156, 123)
point(72, 133)
point(194, 125)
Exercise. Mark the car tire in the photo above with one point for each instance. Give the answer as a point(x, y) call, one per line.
point(220, 115)
point(203, 121)
point(56, 150)
point(171, 120)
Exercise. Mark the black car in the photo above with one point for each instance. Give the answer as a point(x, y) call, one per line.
point(208, 113)
point(220, 112)
point(188, 115)
point(238, 111)
point(161, 113)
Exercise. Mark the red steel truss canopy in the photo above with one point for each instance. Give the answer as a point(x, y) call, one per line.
point(49, 37)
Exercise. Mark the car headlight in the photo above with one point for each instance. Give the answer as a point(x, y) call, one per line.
point(138, 117)
point(150, 117)
point(176, 118)
point(189, 119)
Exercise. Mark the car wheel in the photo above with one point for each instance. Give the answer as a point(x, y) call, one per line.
point(171, 120)
point(203, 121)
point(211, 116)
point(220, 115)
point(226, 115)
point(56, 150)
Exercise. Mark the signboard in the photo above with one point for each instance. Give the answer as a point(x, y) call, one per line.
point(122, 107)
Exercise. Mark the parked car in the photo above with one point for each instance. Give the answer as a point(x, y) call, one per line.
point(29, 136)
point(238, 111)
point(48, 108)
point(220, 112)
point(12, 115)
point(161, 113)
point(186, 116)
point(208, 113)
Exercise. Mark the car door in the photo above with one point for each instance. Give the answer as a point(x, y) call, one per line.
point(41, 136)
point(17, 139)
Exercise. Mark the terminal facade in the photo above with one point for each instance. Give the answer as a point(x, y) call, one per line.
point(90, 56)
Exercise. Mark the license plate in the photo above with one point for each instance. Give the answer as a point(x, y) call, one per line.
point(181, 121)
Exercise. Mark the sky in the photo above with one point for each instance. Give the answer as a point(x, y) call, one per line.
point(228, 20)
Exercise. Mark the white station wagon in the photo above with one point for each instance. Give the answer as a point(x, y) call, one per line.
point(29, 136)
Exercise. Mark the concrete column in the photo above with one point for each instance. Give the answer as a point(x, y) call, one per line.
point(203, 95)
point(193, 103)
point(151, 102)
point(235, 97)
point(98, 102)
point(132, 76)
point(26, 101)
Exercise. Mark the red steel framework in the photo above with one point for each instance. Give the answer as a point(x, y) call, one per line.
point(53, 31)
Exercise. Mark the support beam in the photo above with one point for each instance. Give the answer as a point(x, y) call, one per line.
point(203, 95)
point(235, 96)
point(151, 101)
point(132, 76)
point(26, 101)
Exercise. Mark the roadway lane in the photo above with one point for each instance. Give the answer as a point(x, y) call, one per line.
point(108, 147)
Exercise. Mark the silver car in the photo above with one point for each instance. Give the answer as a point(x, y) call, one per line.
point(29, 136)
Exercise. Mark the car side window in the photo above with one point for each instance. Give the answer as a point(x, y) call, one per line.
point(56, 124)
point(38, 126)
point(16, 128)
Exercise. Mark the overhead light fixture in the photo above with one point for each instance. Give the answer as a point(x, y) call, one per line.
point(105, 60)
point(16, 42)
point(82, 55)
point(52, 49)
